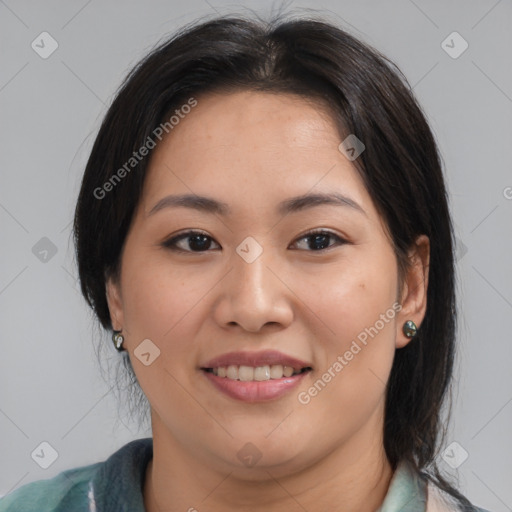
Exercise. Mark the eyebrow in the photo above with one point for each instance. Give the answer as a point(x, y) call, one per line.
point(294, 204)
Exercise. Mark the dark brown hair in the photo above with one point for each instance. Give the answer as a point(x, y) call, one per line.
point(367, 96)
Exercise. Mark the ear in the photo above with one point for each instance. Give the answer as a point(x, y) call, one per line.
point(115, 303)
point(414, 291)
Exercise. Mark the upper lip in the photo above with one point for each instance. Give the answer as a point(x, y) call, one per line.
point(255, 359)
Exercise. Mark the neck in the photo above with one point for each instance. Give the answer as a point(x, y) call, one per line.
point(354, 477)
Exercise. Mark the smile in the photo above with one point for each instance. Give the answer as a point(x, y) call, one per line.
point(259, 373)
point(255, 376)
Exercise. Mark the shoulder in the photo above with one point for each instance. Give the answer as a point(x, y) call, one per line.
point(65, 489)
point(439, 501)
point(98, 486)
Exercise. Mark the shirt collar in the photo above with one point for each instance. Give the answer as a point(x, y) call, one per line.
point(407, 491)
point(119, 483)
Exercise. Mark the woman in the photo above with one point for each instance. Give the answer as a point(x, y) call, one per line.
point(263, 226)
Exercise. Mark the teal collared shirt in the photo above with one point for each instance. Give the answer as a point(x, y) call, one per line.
point(116, 485)
point(407, 492)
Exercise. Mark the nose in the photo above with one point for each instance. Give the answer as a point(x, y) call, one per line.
point(254, 296)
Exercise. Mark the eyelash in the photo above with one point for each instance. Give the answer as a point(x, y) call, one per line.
point(171, 243)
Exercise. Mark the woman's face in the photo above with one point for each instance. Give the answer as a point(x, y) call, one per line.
point(259, 281)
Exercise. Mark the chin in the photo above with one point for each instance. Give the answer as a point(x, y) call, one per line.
point(256, 457)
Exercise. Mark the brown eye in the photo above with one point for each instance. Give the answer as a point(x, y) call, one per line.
point(191, 241)
point(319, 240)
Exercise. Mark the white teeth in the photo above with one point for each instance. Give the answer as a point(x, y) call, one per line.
point(246, 373)
point(250, 373)
point(276, 371)
point(232, 372)
point(287, 371)
point(262, 373)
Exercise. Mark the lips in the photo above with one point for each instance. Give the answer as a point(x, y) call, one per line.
point(262, 388)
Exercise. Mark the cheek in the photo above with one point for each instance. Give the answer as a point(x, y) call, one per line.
point(356, 328)
point(349, 297)
point(160, 303)
point(157, 296)
point(167, 304)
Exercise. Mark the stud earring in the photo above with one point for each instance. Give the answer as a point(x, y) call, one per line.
point(410, 329)
point(118, 340)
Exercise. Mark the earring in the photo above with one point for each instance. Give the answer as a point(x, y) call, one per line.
point(410, 329)
point(118, 340)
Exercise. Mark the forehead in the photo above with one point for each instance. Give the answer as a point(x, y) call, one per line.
point(248, 120)
point(257, 144)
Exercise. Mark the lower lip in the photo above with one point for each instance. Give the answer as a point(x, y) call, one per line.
point(255, 391)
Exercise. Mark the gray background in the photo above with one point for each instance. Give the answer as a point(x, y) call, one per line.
point(51, 387)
